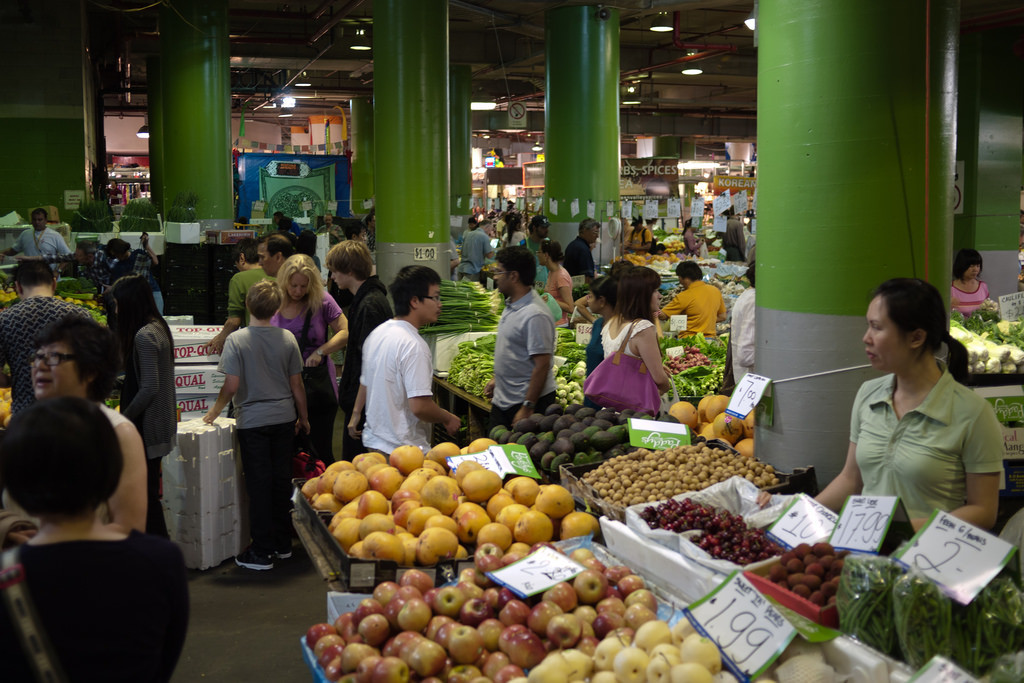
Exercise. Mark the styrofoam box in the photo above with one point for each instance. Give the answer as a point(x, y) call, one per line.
point(190, 343)
point(194, 379)
point(194, 406)
point(182, 233)
point(444, 347)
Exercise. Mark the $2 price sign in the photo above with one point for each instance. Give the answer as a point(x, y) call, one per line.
point(959, 557)
point(804, 521)
point(744, 625)
point(863, 523)
point(941, 670)
point(747, 394)
point(536, 572)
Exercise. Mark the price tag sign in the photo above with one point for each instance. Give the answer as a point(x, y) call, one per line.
point(578, 280)
point(656, 435)
point(804, 521)
point(536, 572)
point(864, 522)
point(677, 323)
point(747, 395)
point(674, 351)
point(591, 209)
point(553, 206)
point(609, 209)
point(306, 206)
point(650, 209)
point(748, 630)
point(332, 206)
point(721, 223)
point(673, 209)
point(583, 334)
point(259, 205)
point(368, 203)
point(507, 459)
point(627, 209)
point(1011, 306)
point(959, 557)
point(739, 202)
point(941, 670)
point(722, 203)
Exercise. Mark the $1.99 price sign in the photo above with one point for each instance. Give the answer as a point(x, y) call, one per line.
point(959, 557)
point(744, 625)
point(863, 523)
point(747, 395)
point(804, 521)
point(536, 572)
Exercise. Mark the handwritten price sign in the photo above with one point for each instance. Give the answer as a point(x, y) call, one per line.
point(536, 572)
point(959, 557)
point(804, 521)
point(941, 670)
point(747, 394)
point(748, 630)
point(864, 522)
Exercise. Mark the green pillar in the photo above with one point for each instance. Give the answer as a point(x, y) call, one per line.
point(990, 119)
point(154, 107)
point(460, 157)
point(362, 154)
point(667, 146)
point(581, 127)
point(854, 187)
point(410, 102)
point(196, 107)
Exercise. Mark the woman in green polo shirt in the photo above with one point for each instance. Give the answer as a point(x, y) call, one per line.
point(918, 432)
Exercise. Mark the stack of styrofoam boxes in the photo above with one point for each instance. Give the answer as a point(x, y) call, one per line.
point(205, 494)
point(196, 380)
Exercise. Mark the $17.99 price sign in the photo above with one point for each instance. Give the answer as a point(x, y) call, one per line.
point(863, 522)
point(744, 625)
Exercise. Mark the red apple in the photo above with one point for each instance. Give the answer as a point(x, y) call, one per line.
point(644, 597)
point(449, 601)
point(587, 628)
point(628, 584)
point(444, 633)
point(406, 648)
point(324, 641)
point(427, 658)
point(539, 617)
point(328, 654)
point(317, 631)
point(494, 663)
point(474, 612)
point(490, 629)
point(392, 609)
point(611, 605)
point(366, 607)
point(590, 586)
point(364, 672)
point(544, 544)
point(507, 673)
point(393, 648)
point(467, 575)
point(509, 558)
point(414, 615)
point(606, 622)
point(507, 636)
point(471, 590)
point(375, 629)
point(580, 554)
point(435, 624)
point(484, 564)
point(346, 625)
point(409, 591)
point(617, 572)
point(564, 630)
point(504, 595)
point(332, 671)
point(563, 595)
point(595, 564)
point(637, 615)
point(491, 597)
point(587, 645)
point(463, 673)
point(416, 578)
point(430, 595)
point(385, 591)
point(355, 653)
point(624, 634)
point(390, 670)
point(613, 592)
point(527, 650)
point(465, 644)
point(514, 612)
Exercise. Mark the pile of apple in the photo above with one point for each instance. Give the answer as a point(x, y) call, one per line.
point(410, 509)
point(475, 630)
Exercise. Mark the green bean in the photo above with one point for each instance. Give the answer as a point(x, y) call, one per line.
point(864, 600)
point(923, 619)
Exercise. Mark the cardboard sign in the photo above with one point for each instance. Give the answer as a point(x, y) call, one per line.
point(677, 323)
point(747, 395)
point(722, 203)
point(744, 625)
point(536, 572)
point(674, 208)
point(804, 521)
point(864, 522)
point(941, 670)
point(956, 555)
point(578, 280)
point(1011, 306)
point(507, 459)
point(657, 435)
point(583, 334)
point(197, 379)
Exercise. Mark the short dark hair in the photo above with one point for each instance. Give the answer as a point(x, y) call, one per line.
point(520, 260)
point(587, 224)
point(412, 281)
point(279, 244)
point(117, 246)
point(307, 243)
point(42, 211)
point(263, 299)
point(606, 287)
point(285, 223)
point(33, 274)
point(689, 270)
point(87, 246)
point(964, 259)
point(553, 249)
point(249, 248)
point(539, 221)
point(353, 230)
point(633, 300)
point(83, 457)
point(95, 350)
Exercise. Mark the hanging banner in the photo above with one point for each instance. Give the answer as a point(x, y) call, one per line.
point(643, 179)
point(735, 184)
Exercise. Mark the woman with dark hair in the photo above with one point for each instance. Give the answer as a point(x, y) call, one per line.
point(917, 432)
point(148, 395)
point(637, 298)
point(559, 284)
point(968, 292)
point(514, 235)
point(306, 244)
point(132, 585)
point(692, 244)
point(139, 262)
point(78, 357)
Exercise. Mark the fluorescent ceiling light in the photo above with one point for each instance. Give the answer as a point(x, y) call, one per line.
point(362, 42)
point(486, 137)
point(287, 102)
point(661, 23)
point(302, 85)
point(283, 116)
point(483, 106)
point(360, 47)
point(699, 164)
point(271, 105)
point(693, 72)
point(143, 132)
point(630, 102)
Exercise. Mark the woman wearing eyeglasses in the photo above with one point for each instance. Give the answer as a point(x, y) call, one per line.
point(76, 357)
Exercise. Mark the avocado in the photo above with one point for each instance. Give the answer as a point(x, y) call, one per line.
point(527, 424)
point(526, 437)
point(621, 432)
point(564, 434)
point(554, 409)
point(513, 437)
point(628, 412)
point(623, 419)
point(564, 459)
point(578, 427)
point(668, 418)
point(590, 431)
point(547, 422)
point(540, 448)
point(574, 408)
point(546, 436)
point(613, 453)
point(563, 422)
point(586, 458)
point(496, 432)
point(604, 441)
point(546, 459)
point(503, 437)
point(563, 446)
point(601, 424)
point(606, 414)
point(588, 421)
point(581, 441)
point(584, 412)
point(643, 416)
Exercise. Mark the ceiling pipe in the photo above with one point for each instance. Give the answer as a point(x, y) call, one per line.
point(994, 17)
point(335, 20)
point(297, 74)
point(512, 23)
point(680, 44)
point(682, 60)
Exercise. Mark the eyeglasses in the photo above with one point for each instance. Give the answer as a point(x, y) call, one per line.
point(435, 298)
point(498, 272)
point(51, 358)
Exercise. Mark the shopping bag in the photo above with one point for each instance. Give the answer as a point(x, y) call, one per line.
point(622, 382)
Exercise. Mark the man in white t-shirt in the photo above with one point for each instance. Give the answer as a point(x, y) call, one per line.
point(38, 240)
point(395, 385)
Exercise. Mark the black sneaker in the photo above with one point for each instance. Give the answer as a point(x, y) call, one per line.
point(283, 554)
point(250, 559)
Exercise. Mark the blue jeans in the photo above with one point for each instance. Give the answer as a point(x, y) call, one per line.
point(158, 297)
point(267, 462)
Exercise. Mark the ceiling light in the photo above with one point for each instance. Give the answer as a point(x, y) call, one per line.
point(287, 102)
point(283, 116)
point(362, 40)
point(631, 89)
point(693, 72)
point(486, 137)
point(751, 21)
point(271, 105)
point(483, 106)
point(661, 23)
point(630, 101)
point(303, 82)
point(537, 148)
point(143, 132)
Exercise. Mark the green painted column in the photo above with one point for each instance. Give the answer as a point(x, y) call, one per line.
point(154, 107)
point(855, 179)
point(196, 107)
point(362, 153)
point(667, 146)
point(990, 120)
point(460, 157)
point(410, 103)
point(581, 127)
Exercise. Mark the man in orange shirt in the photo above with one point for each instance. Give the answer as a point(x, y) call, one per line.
point(701, 303)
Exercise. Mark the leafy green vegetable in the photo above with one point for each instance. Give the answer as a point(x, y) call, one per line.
point(473, 366)
point(71, 285)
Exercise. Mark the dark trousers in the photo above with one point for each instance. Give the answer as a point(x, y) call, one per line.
point(504, 416)
point(321, 430)
point(155, 523)
point(350, 447)
point(266, 462)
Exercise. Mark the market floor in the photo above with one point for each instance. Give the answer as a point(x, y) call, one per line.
point(245, 625)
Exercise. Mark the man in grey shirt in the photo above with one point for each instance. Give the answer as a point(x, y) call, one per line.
point(523, 382)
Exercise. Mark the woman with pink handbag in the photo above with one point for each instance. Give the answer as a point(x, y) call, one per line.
point(631, 375)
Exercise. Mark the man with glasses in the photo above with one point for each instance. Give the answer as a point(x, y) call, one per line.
point(396, 382)
point(35, 284)
point(523, 382)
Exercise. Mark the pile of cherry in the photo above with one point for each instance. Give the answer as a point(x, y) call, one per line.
point(726, 536)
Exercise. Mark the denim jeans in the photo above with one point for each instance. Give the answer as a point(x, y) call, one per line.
point(266, 461)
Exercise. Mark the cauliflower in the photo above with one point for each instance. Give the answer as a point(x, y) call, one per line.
point(992, 366)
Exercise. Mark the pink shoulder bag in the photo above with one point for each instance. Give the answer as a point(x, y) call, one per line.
point(622, 382)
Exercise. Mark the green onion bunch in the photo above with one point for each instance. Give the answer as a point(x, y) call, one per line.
point(466, 307)
point(473, 366)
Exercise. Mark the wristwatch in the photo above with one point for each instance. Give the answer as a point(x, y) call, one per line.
point(529, 404)
point(320, 353)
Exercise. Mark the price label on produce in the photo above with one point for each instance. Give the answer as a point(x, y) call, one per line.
point(536, 572)
point(941, 670)
point(864, 522)
point(748, 630)
point(747, 395)
point(1011, 306)
point(804, 521)
point(674, 351)
point(578, 280)
point(959, 557)
point(656, 435)
point(507, 459)
point(677, 323)
point(720, 224)
point(583, 334)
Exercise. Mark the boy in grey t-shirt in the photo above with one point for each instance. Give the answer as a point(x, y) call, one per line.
point(263, 369)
